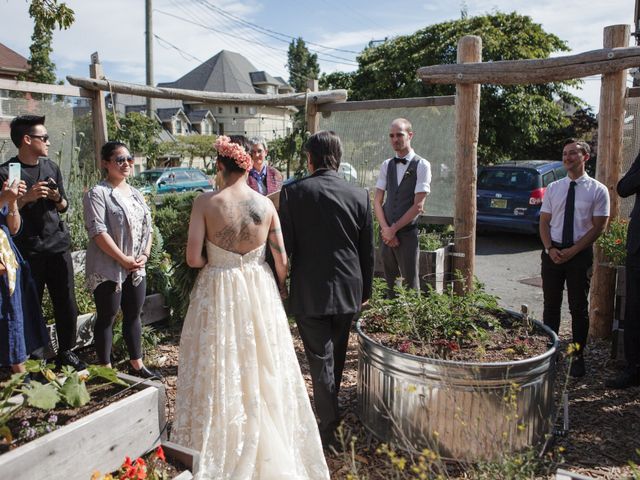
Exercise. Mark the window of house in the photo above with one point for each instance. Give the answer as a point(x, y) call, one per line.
point(221, 129)
point(178, 127)
point(236, 109)
point(220, 110)
point(253, 110)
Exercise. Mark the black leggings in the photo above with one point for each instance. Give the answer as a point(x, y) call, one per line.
point(108, 302)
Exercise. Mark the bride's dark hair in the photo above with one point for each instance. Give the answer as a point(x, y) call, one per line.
point(230, 163)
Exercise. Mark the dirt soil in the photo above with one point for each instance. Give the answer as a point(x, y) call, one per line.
point(603, 424)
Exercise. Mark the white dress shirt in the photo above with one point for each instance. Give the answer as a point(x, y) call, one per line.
point(592, 200)
point(423, 173)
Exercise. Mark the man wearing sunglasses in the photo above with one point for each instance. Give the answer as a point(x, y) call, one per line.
point(44, 240)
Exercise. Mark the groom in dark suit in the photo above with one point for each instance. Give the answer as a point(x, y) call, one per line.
point(630, 376)
point(328, 233)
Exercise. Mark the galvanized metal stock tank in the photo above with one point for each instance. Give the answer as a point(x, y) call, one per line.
point(461, 410)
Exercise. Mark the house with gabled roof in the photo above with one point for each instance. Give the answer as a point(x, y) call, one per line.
point(230, 72)
point(12, 64)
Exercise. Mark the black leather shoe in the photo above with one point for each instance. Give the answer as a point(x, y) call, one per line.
point(629, 377)
point(67, 357)
point(145, 372)
point(577, 367)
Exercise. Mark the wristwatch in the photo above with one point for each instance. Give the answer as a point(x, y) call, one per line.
point(547, 250)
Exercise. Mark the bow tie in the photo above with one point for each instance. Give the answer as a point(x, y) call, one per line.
point(400, 160)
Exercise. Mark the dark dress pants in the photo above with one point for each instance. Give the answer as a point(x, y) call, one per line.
point(55, 270)
point(402, 261)
point(577, 275)
point(325, 339)
point(632, 312)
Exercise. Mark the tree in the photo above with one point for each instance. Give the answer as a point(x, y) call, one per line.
point(46, 15)
point(513, 119)
point(191, 146)
point(302, 65)
point(336, 80)
point(138, 132)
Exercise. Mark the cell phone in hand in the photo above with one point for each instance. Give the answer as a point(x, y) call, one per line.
point(51, 183)
point(14, 173)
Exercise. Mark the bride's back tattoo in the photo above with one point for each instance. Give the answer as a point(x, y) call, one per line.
point(239, 219)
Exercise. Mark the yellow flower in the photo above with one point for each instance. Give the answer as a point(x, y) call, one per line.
point(49, 375)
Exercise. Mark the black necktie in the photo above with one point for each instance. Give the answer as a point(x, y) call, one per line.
point(569, 210)
point(400, 160)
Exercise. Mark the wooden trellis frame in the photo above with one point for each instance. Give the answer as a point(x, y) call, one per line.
point(611, 61)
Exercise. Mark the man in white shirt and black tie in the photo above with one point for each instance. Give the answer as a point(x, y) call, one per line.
point(405, 179)
point(574, 213)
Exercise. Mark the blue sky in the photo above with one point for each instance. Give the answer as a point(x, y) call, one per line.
point(191, 31)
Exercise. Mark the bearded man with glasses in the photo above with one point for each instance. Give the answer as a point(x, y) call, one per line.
point(44, 239)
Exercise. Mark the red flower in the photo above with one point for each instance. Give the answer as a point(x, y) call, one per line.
point(618, 241)
point(160, 453)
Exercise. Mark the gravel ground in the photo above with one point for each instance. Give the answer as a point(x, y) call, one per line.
point(603, 424)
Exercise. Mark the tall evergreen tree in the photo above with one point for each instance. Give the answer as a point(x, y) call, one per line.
point(46, 15)
point(302, 65)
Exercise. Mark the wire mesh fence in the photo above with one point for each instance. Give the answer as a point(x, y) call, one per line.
point(365, 139)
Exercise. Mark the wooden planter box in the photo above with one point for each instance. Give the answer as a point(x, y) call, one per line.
point(100, 441)
point(434, 267)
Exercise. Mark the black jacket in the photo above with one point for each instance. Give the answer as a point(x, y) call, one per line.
point(328, 233)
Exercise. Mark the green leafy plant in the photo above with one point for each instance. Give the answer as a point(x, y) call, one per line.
point(436, 322)
point(172, 219)
point(8, 408)
point(613, 241)
point(69, 388)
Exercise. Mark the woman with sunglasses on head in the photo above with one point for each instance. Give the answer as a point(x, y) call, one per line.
point(119, 225)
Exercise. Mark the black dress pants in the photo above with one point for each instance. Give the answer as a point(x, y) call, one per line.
point(325, 340)
point(577, 275)
point(632, 312)
point(55, 270)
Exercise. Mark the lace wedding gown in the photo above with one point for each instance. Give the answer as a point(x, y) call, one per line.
point(241, 400)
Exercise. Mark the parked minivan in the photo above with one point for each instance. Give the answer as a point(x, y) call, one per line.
point(173, 180)
point(509, 195)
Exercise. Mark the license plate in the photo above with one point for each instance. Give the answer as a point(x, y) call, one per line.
point(498, 203)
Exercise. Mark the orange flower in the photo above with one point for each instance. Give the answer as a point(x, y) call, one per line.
point(618, 241)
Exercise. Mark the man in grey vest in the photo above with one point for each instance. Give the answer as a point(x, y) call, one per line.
point(406, 180)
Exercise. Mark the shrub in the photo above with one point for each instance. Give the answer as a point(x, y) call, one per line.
point(613, 241)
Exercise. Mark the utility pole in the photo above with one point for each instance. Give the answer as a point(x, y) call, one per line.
point(149, 51)
point(635, 73)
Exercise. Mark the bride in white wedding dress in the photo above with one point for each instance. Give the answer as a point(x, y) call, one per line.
point(241, 400)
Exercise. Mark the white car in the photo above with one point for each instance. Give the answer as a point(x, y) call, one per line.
point(348, 172)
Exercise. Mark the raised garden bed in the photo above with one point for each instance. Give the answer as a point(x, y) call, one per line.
point(477, 392)
point(99, 441)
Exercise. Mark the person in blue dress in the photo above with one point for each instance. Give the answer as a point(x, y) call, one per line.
point(22, 328)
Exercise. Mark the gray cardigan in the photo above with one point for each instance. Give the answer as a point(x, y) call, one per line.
point(105, 211)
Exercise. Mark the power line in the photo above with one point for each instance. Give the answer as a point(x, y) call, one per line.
point(183, 54)
point(206, 27)
point(268, 30)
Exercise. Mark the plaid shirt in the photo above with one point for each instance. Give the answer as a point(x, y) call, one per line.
point(256, 180)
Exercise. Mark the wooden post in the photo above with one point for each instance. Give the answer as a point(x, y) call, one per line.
point(610, 124)
point(313, 120)
point(98, 109)
point(467, 130)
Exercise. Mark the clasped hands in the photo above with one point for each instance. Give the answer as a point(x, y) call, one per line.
point(558, 256)
point(389, 236)
point(131, 263)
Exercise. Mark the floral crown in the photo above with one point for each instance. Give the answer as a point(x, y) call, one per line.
point(226, 148)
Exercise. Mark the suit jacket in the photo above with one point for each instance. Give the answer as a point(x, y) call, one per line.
point(328, 233)
point(627, 186)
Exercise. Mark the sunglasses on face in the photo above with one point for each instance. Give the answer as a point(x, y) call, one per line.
point(122, 158)
point(44, 138)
